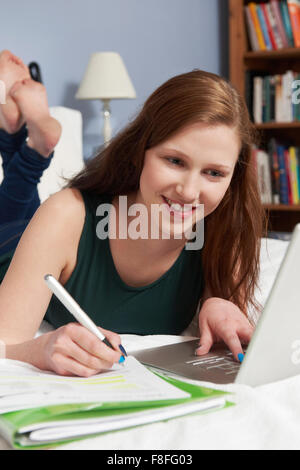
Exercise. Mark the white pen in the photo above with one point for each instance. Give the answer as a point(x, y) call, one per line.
point(73, 307)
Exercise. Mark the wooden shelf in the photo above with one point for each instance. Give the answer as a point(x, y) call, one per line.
point(278, 125)
point(282, 207)
point(241, 59)
point(290, 53)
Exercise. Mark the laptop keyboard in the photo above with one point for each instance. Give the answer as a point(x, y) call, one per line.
point(225, 363)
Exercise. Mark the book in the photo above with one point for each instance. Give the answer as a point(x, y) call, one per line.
point(277, 14)
point(274, 26)
point(297, 150)
point(296, 97)
point(275, 175)
point(265, 11)
point(264, 28)
point(258, 99)
point(264, 176)
point(278, 98)
point(272, 98)
point(284, 193)
point(294, 12)
point(260, 37)
point(288, 175)
point(40, 409)
point(287, 22)
point(251, 30)
point(294, 174)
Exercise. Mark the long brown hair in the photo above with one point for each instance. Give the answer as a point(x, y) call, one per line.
point(232, 232)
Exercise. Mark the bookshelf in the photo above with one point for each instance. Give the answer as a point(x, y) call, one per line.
point(241, 59)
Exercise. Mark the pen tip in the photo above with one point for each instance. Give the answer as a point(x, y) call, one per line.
point(122, 349)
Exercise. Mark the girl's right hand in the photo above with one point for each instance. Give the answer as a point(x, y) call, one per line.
point(74, 350)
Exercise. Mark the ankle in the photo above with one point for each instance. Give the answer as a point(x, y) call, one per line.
point(44, 150)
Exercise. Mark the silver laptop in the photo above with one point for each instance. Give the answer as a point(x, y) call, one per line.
point(273, 352)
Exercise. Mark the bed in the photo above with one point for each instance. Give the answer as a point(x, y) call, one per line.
point(266, 417)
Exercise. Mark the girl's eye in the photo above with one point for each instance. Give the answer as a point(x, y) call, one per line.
point(174, 161)
point(215, 173)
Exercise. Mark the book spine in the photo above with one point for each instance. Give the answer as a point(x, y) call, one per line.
point(287, 109)
point(278, 98)
point(286, 22)
point(277, 14)
point(257, 99)
point(283, 102)
point(294, 12)
point(267, 112)
point(284, 194)
point(275, 174)
point(264, 99)
point(293, 174)
point(251, 30)
point(288, 175)
point(272, 98)
point(264, 177)
point(264, 28)
point(298, 170)
point(296, 96)
point(293, 97)
point(274, 26)
point(269, 27)
point(260, 37)
point(290, 77)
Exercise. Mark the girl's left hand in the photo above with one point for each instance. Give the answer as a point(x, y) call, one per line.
point(221, 320)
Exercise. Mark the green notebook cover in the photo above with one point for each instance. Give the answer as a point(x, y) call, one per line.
point(11, 423)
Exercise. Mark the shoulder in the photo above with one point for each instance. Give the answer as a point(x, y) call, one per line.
point(66, 203)
point(64, 213)
point(57, 224)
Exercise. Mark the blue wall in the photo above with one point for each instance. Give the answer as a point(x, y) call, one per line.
point(156, 39)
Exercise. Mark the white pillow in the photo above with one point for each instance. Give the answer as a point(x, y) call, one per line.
point(68, 158)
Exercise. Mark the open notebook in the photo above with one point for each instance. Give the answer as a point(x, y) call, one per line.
point(40, 408)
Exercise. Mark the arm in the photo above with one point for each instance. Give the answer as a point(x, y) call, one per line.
point(48, 245)
point(221, 320)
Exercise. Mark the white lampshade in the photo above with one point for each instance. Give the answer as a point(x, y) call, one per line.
point(105, 78)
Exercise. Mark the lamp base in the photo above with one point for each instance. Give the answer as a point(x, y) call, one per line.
point(106, 131)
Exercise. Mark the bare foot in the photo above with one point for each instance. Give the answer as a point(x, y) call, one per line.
point(12, 69)
point(43, 130)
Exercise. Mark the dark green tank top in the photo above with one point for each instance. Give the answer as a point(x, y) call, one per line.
point(166, 306)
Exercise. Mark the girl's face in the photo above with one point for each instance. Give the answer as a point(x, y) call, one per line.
point(195, 166)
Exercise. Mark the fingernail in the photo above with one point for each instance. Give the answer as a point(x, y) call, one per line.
point(240, 357)
point(122, 359)
point(122, 349)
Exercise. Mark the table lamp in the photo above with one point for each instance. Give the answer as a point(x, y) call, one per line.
point(105, 78)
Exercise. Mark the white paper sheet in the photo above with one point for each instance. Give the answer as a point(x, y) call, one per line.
point(23, 386)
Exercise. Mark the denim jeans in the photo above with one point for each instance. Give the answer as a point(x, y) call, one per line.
point(19, 199)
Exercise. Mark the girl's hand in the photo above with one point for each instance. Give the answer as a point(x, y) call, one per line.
point(221, 320)
point(73, 350)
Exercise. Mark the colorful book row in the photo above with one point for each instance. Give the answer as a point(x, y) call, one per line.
point(273, 25)
point(273, 98)
point(278, 171)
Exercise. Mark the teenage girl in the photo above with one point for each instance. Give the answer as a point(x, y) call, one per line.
point(189, 145)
